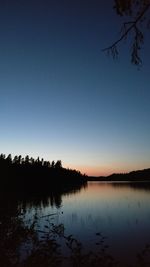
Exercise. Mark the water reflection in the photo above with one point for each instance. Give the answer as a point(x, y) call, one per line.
point(134, 185)
point(53, 199)
point(120, 211)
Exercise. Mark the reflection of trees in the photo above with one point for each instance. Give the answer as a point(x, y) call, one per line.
point(53, 198)
point(27, 182)
point(13, 232)
point(42, 247)
point(12, 203)
point(35, 176)
point(134, 185)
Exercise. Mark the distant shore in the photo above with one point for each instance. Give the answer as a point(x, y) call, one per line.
point(139, 175)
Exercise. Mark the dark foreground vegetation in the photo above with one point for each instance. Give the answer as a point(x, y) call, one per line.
point(26, 245)
point(140, 175)
point(37, 176)
point(29, 246)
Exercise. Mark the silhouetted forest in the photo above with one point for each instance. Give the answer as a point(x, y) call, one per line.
point(30, 245)
point(28, 175)
point(140, 175)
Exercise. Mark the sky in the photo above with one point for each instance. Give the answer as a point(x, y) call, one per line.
point(61, 97)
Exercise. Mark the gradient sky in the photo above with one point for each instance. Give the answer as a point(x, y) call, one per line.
point(61, 97)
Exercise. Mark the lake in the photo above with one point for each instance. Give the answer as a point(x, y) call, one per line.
point(120, 212)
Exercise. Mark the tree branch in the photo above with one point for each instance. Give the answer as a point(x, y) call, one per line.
point(133, 26)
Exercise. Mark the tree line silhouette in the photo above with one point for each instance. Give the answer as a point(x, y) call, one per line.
point(29, 175)
point(139, 175)
point(19, 160)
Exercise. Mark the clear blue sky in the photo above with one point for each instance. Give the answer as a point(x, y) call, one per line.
point(61, 97)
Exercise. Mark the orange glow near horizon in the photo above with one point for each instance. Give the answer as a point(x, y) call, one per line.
point(107, 170)
point(96, 170)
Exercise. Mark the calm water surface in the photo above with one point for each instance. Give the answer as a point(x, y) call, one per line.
point(120, 211)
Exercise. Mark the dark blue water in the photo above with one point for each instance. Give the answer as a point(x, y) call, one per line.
point(120, 212)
